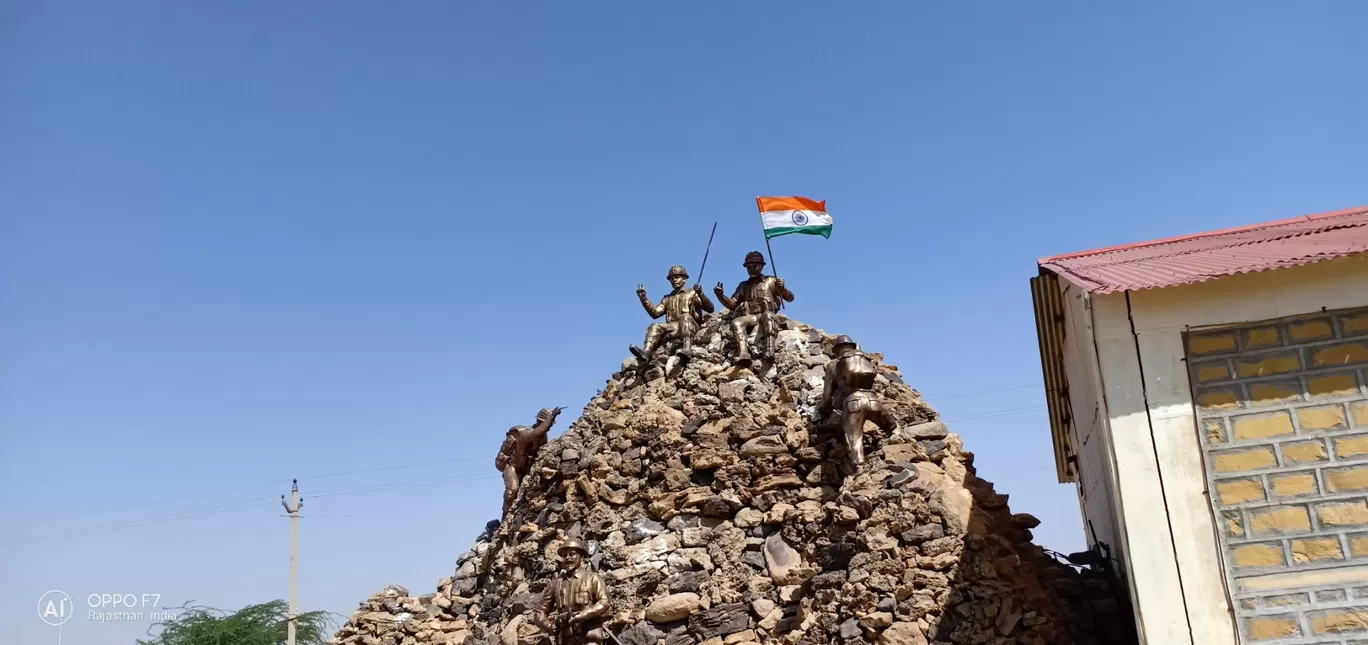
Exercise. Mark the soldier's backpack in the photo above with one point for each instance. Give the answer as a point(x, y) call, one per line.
point(859, 371)
point(506, 450)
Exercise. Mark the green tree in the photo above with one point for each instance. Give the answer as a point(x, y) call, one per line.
point(262, 624)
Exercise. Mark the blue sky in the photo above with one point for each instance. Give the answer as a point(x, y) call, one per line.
point(249, 241)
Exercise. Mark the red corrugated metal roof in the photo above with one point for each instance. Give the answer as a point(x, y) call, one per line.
point(1204, 256)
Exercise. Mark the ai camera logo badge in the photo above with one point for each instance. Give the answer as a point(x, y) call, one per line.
point(800, 218)
point(55, 608)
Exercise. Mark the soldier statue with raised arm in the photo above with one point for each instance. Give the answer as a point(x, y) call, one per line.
point(849, 382)
point(519, 450)
point(753, 306)
point(683, 310)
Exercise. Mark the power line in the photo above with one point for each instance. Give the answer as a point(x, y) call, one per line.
point(274, 482)
point(979, 393)
point(247, 504)
point(238, 506)
point(995, 413)
point(376, 488)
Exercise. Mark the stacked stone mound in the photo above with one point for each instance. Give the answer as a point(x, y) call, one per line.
point(719, 512)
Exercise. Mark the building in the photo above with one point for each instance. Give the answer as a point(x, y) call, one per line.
point(1207, 397)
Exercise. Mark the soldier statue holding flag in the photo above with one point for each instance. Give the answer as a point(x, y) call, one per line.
point(753, 306)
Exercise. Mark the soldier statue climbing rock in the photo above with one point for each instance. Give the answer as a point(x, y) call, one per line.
point(574, 603)
point(518, 451)
point(753, 306)
point(683, 310)
point(849, 388)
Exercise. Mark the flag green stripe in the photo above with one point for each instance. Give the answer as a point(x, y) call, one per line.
point(824, 231)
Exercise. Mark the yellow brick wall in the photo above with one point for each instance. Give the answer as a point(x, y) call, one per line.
point(1282, 414)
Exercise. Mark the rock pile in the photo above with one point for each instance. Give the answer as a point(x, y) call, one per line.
point(719, 512)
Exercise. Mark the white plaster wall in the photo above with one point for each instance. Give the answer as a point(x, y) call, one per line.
point(1175, 567)
point(1094, 476)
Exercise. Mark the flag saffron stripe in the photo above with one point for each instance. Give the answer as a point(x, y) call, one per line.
point(789, 204)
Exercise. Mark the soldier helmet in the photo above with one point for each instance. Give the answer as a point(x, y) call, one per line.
point(547, 413)
point(573, 544)
point(677, 269)
point(843, 340)
point(753, 257)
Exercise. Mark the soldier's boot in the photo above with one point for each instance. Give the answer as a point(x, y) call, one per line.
point(743, 355)
point(647, 354)
point(771, 332)
point(854, 436)
point(643, 355)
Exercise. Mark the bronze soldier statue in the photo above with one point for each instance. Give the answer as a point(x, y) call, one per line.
point(753, 306)
point(573, 604)
point(849, 382)
point(683, 311)
point(518, 451)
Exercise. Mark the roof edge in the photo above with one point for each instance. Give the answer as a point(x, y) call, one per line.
point(1101, 289)
point(1042, 262)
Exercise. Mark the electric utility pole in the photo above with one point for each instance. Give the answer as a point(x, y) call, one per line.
point(296, 502)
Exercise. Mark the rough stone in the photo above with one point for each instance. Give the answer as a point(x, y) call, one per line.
point(764, 445)
point(672, 608)
point(721, 620)
point(902, 634)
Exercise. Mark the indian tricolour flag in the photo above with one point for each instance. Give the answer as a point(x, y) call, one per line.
point(785, 215)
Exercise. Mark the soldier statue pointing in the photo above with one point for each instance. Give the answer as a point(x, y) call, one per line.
point(519, 450)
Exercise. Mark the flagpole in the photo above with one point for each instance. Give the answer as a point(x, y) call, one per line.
point(773, 266)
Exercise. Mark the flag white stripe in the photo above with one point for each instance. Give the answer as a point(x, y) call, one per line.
point(795, 218)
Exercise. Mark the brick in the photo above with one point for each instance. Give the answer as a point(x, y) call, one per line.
point(1310, 330)
point(1295, 484)
point(1249, 603)
point(1355, 446)
point(1287, 600)
point(1322, 417)
point(1233, 524)
point(1354, 325)
point(1333, 595)
point(1361, 592)
point(1224, 398)
point(1264, 628)
point(1349, 620)
point(1359, 411)
point(1234, 461)
point(1274, 393)
point(1236, 491)
point(1332, 385)
point(1341, 354)
point(1212, 371)
point(1215, 431)
point(1316, 550)
point(1343, 480)
point(1212, 343)
point(1261, 337)
point(1267, 364)
point(1262, 426)
point(1280, 519)
point(1358, 547)
point(1258, 555)
point(1336, 514)
point(1303, 452)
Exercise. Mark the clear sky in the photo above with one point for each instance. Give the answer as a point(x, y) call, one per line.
point(247, 241)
